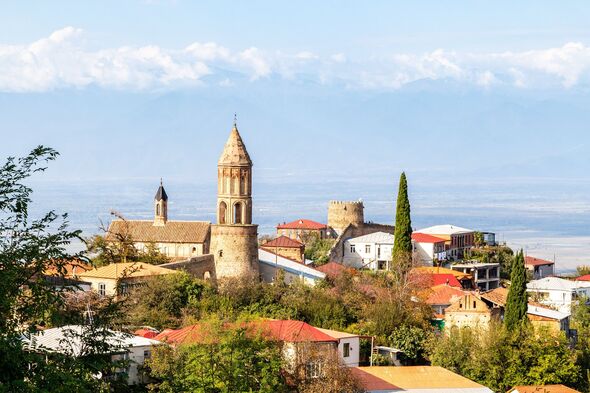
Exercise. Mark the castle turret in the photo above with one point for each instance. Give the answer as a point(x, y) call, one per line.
point(160, 206)
point(234, 239)
point(341, 214)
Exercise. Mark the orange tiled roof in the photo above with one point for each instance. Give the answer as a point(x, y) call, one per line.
point(443, 294)
point(171, 232)
point(426, 238)
point(127, 270)
point(71, 269)
point(283, 241)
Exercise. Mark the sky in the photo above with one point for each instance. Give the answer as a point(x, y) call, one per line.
point(333, 92)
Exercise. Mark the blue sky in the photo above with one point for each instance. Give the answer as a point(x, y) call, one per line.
point(483, 103)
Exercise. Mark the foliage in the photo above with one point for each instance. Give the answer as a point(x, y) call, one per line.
point(29, 248)
point(494, 254)
point(402, 246)
point(227, 360)
point(412, 341)
point(517, 301)
point(500, 359)
point(582, 270)
point(580, 321)
point(163, 300)
point(318, 249)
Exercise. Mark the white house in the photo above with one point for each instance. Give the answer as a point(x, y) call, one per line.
point(349, 346)
point(69, 340)
point(428, 248)
point(540, 268)
point(270, 263)
point(457, 239)
point(558, 292)
point(372, 251)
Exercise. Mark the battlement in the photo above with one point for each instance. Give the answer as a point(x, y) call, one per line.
point(341, 214)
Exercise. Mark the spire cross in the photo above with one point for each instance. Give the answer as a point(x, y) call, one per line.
point(235, 120)
point(160, 181)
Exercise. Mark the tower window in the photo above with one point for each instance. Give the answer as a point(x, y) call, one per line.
point(238, 213)
point(222, 209)
point(158, 209)
point(220, 253)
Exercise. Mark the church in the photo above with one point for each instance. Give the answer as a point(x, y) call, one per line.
point(228, 248)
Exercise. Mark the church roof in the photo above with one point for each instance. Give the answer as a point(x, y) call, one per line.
point(234, 152)
point(171, 232)
point(161, 194)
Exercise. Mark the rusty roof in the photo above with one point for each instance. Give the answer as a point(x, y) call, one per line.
point(283, 241)
point(171, 232)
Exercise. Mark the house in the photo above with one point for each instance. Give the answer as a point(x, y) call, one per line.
point(486, 276)
point(116, 278)
point(428, 248)
point(303, 346)
point(174, 239)
point(469, 311)
point(303, 230)
point(538, 315)
point(539, 268)
point(457, 239)
point(440, 297)
point(543, 389)
point(69, 340)
point(585, 277)
point(373, 251)
point(270, 263)
point(415, 379)
point(67, 276)
point(286, 247)
point(557, 292)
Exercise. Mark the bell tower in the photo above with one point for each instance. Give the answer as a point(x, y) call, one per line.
point(160, 206)
point(234, 239)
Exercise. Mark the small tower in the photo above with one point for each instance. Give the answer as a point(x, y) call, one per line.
point(160, 206)
point(234, 239)
point(341, 214)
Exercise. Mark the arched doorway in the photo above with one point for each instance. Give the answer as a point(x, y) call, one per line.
point(222, 210)
point(238, 213)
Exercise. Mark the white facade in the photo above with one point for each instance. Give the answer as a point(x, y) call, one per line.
point(349, 346)
point(270, 263)
point(68, 340)
point(558, 292)
point(372, 251)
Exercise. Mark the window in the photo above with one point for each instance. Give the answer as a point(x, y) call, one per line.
point(378, 252)
point(367, 249)
point(102, 289)
point(158, 209)
point(238, 213)
point(346, 350)
point(222, 209)
point(352, 250)
point(147, 354)
point(313, 370)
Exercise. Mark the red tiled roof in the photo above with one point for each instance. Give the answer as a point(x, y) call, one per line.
point(425, 238)
point(443, 294)
point(585, 277)
point(441, 279)
point(536, 261)
point(302, 224)
point(280, 330)
point(146, 333)
point(332, 268)
point(283, 241)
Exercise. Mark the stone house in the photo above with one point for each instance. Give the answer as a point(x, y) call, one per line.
point(469, 311)
point(286, 247)
point(303, 230)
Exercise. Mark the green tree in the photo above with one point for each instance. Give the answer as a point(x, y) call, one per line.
point(412, 341)
point(225, 360)
point(402, 246)
point(517, 301)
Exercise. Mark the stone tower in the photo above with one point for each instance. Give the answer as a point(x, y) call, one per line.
point(160, 206)
point(341, 214)
point(234, 239)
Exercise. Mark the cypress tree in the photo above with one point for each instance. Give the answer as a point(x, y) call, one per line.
point(516, 304)
point(402, 245)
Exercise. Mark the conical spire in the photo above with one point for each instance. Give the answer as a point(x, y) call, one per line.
point(161, 193)
point(234, 152)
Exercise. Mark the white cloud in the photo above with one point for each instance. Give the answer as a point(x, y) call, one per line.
point(62, 60)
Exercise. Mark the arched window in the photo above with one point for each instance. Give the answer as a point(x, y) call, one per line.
point(238, 213)
point(242, 183)
point(206, 276)
point(222, 209)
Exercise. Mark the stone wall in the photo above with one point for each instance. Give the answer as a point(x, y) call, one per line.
point(351, 231)
point(342, 214)
point(235, 249)
point(202, 266)
point(288, 252)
